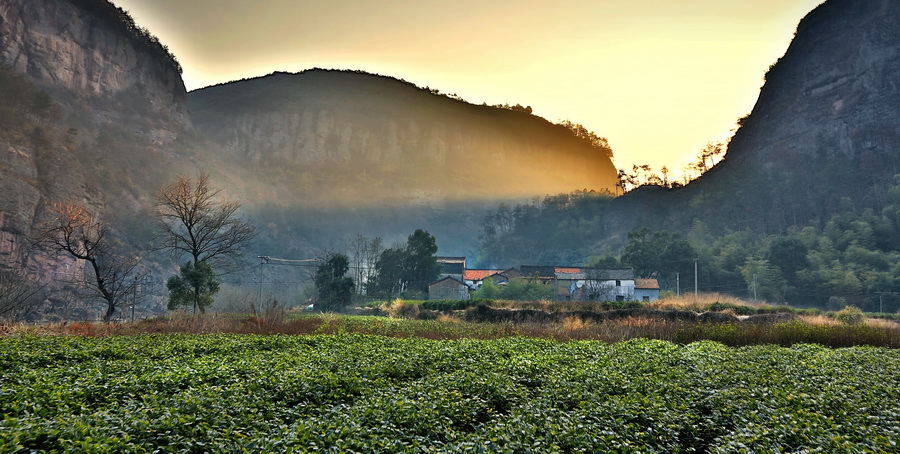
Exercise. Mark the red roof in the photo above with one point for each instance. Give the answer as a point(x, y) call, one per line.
point(477, 275)
point(646, 284)
point(567, 270)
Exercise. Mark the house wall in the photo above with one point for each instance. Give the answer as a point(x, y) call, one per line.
point(651, 294)
point(448, 290)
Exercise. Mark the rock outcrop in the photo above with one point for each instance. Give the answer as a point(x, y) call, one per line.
point(115, 93)
point(823, 129)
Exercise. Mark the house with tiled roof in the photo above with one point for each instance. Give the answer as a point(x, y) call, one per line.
point(646, 290)
point(594, 284)
point(570, 283)
point(474, 278)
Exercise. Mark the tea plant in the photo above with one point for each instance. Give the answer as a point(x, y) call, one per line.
point(364, 393)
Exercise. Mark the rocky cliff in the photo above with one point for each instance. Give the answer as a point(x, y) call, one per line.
point(825, 126)
point(386, 139)
point(89, 49)
point(114, 99)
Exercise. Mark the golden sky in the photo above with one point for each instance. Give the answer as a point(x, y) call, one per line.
point(658, 78)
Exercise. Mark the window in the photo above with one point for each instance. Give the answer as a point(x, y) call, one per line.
point(646, 299)
point(618, 283)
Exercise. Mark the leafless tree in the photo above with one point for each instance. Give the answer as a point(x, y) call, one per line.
point(17, 294)
point(112, 273)
point(194, 221)
point(364, 252)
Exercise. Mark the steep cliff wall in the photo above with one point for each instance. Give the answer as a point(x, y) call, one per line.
point(117, 100)
point(386, 139)
point(85, 49)
point(825, 127)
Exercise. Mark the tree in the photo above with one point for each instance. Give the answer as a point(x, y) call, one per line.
point(407, 268)
point(17, 293)
point(388, 279)
point(658, 254)
point(83, 236)
point(421, 268)
point(194, 286)
point(195, 222)
point(333, 289)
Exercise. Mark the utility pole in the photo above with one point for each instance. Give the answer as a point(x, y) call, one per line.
point(695, 275)
point(677, 283)
point(264, 259)
point(134, 298)
point(754, 286)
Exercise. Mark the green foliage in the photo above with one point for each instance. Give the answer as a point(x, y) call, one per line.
point(659, 254)
point(353, 393)
point(518, 289)
point(489, 290)
point(852, 256)
point(524, 289)
point(407, 270)
point(334, 289)
point(193, 287)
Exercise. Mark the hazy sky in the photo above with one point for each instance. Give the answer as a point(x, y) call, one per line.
point(658, 78)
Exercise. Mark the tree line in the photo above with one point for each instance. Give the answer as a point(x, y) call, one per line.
point(852, 257)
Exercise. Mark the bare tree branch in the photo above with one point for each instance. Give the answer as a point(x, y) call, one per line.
point(76, 232)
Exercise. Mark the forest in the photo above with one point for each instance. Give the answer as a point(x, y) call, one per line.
point(850, 258)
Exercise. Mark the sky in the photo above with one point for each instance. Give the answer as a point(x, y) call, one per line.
point(658, 78)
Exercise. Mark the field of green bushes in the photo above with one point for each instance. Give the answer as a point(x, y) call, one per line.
point(344, 393)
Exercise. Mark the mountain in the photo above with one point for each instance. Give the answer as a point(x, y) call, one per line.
point(350, 139)
point(93, 110)
point(823, 129)
point(821, 139)
point(112, 116)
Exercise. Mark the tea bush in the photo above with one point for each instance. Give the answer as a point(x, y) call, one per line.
point(364, 393)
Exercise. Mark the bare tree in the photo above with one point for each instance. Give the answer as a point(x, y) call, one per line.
point(194, 221)
point(113, 274)
point(17, 293)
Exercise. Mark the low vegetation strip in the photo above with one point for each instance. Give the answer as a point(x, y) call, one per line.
point(342, 393)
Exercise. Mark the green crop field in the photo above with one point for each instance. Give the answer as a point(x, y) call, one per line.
point(344, 393)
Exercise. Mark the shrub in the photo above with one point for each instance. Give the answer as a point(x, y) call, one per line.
point(851, 315)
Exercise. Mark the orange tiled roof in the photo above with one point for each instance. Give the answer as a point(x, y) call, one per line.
point(646, 284)
point(567, 270)
point(477, 275)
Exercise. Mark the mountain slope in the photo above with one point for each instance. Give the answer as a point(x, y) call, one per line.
point(388, 141)
point(824, 127)
point(822, 137)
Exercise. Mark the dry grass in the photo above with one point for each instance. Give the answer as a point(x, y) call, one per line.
point(699, 302)
point(806, 329)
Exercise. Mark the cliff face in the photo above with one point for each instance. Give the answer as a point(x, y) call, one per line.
point(823, 129)
point(81, 48)
point(357, 125)
point(116, 96)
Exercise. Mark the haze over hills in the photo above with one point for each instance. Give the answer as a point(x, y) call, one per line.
point(321, 156)
point(351, 139)
point(316, 158)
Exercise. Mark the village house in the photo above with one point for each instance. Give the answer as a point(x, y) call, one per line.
point(474, 278)
point(448, 288)
point(646, 290)
point(569, 283)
